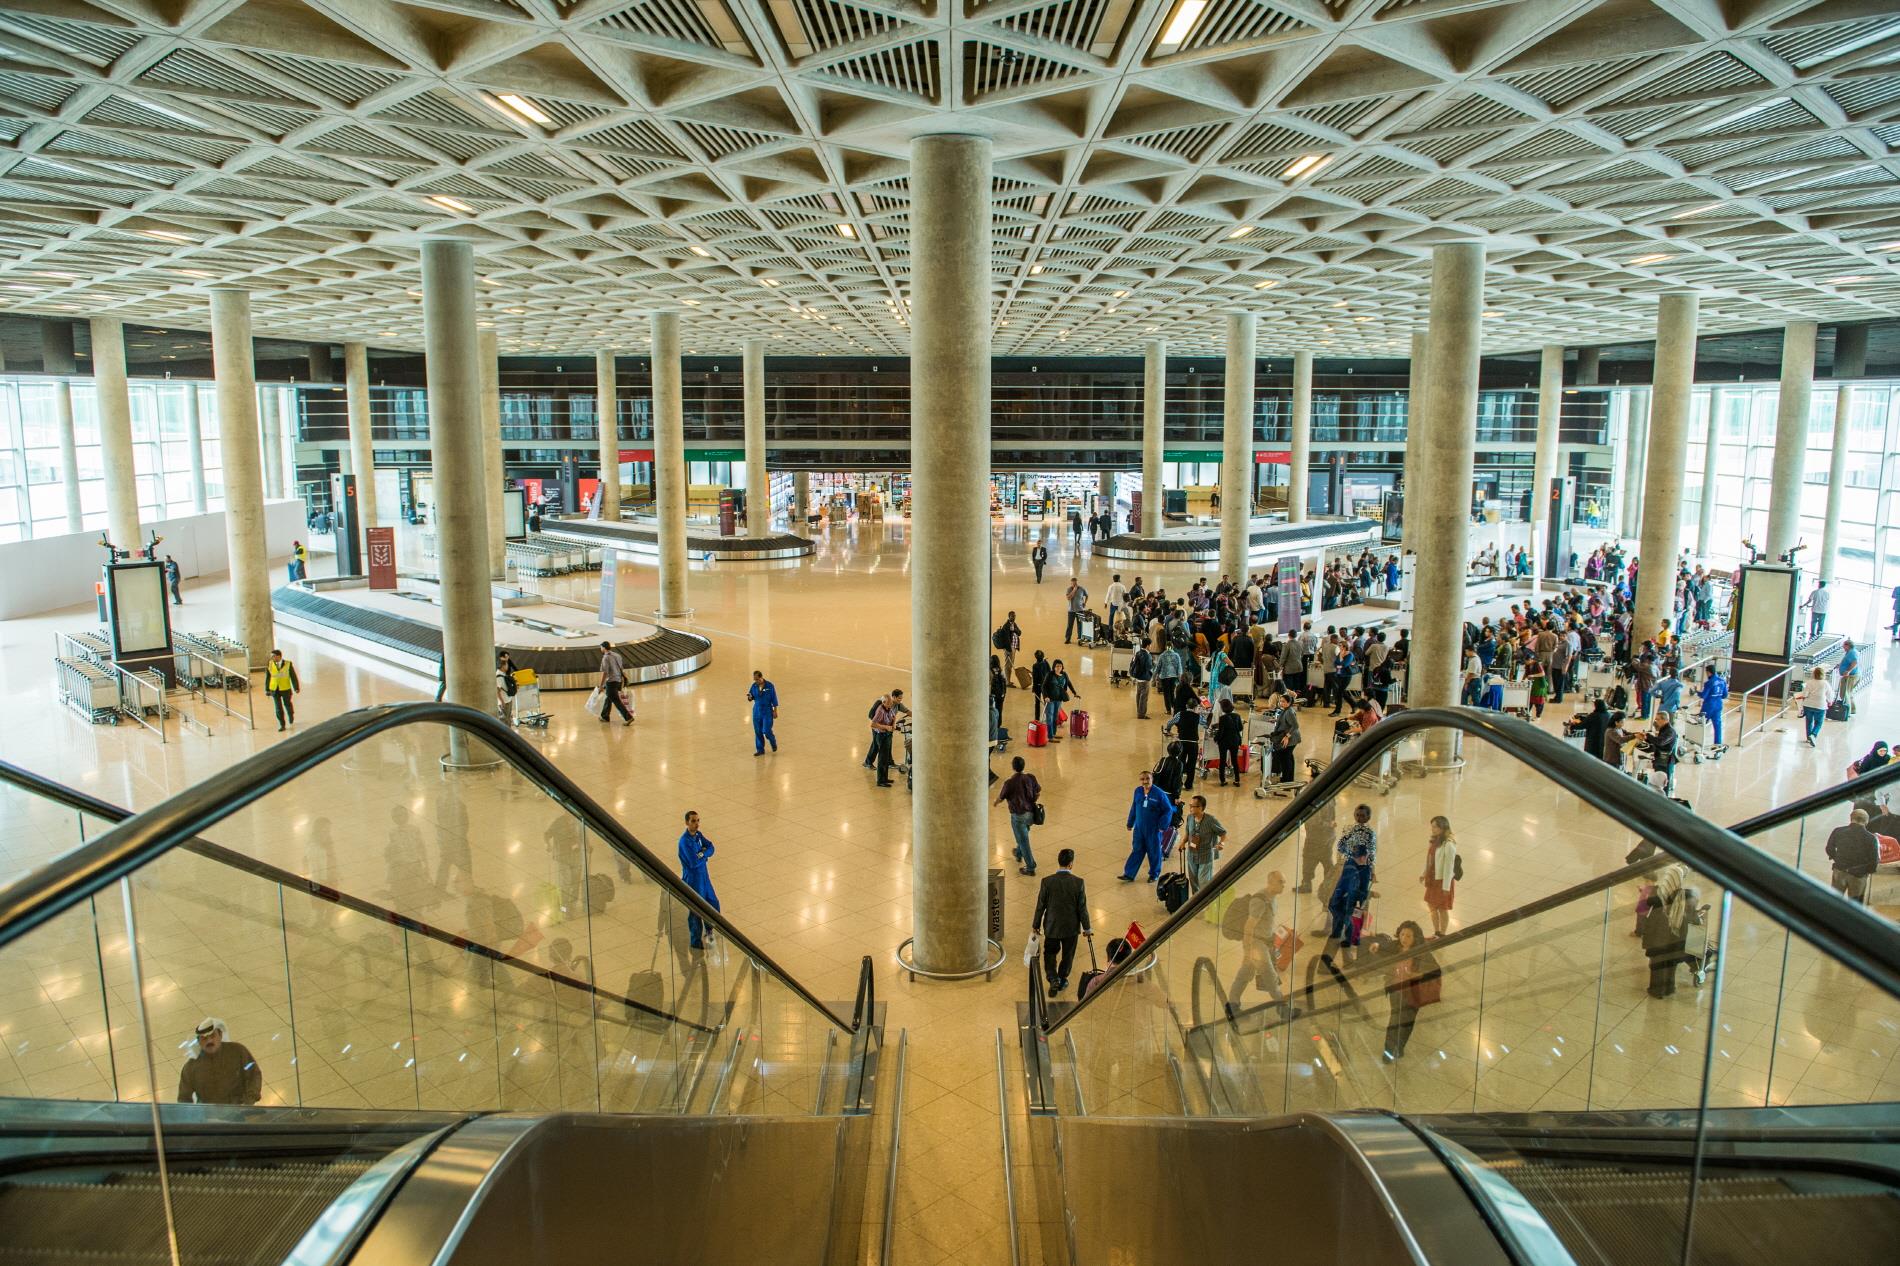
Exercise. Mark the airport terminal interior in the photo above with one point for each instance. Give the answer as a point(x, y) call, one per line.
point(888, 632)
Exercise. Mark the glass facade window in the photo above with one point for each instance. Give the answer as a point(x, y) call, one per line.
point(1743, 468)
point(32, 485)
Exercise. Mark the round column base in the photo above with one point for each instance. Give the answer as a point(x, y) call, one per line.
point(684, 613)
point(989, 968)
point(450, 765)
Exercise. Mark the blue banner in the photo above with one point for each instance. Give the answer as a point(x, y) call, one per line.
point(609, 582)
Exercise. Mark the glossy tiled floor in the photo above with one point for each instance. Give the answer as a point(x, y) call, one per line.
point(813, 862)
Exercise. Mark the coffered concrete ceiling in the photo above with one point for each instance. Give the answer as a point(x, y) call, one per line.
point(1158, 164)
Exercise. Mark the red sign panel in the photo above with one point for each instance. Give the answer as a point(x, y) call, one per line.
point(1272, 457)
point(636, 454)
point(382, 558)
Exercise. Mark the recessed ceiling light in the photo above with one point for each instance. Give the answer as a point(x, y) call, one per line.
point(845, 230)
point(1704, 209)
point(700, 251)
point(1035, 270)
point(1305, 165)
point(1183, 22)
point(1121, 294)
point(691, 303)
point(59, 276)
point(1268, 284)
point(191, 272)
point(1846, 281)
point(1656, 258)
point(1242, 231)
point(767, 281)
point(1494, 314)
point(453, 204)
point(167, 235)
point(525, 108)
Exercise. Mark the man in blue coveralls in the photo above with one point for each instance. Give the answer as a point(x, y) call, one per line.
point(695, 848)
point(764, 696)
point(1150, 813)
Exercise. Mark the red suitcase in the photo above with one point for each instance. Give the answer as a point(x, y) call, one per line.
point(1038, 734)
point(1078, 724)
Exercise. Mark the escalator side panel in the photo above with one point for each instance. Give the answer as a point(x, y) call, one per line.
point(712, 1191)
point(1353, 1190)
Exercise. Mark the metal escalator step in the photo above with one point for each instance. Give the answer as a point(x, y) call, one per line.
point(226, 1216)
point(1752, 1230)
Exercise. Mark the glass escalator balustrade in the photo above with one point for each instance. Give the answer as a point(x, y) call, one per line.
point(1638, 987)
point(378, 939)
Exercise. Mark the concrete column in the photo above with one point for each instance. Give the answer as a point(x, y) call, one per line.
point(1105, 493)
point(68, 454)
point(1154, 432)
point(607, 410)
point(1635, 457)
point(1236, 513)
point(319, 362)
point(490, 352)
point(669, 465)
point(1589, 365)
point(1414, 419)
point(758, 480)
point(195, 445)
point(1850, 361)
point(801, 496)
point(56, 348)
point(1445, 447)
point(273, 442)
point(362, 439)
point(950, 552)
point(1668, 455)
point(1550, 399)
point(1791, 437)
point(1711, 447)
point(454, 378)
point(112, 398)
point(1300, 454)
point(239, 455)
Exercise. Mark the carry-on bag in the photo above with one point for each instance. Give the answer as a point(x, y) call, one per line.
point(1038, 735)
point(1089, 977)
point(1078, 724)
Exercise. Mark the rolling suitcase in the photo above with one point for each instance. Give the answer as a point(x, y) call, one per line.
point(1038, 735)
point(1078, 724)
point(1089, 977)
point(1173, 890)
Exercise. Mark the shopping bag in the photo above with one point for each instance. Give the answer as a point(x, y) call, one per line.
point(1286, 943)
point(1032, 948)
point(596, 698)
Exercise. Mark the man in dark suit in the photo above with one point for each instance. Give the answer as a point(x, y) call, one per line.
point(1062, 914)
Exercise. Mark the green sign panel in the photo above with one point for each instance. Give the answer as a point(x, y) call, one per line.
point(1190, 455)
point(715, 454)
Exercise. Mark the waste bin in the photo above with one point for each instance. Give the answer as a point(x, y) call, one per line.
point(996, 904)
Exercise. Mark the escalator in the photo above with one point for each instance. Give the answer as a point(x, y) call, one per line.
point(1554, 1092)
point(479, 1021)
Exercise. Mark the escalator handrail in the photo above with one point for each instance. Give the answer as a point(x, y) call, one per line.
point(79, 874)
point(1848, 933)
point(1859, 788)
point(114, 814)
point(1827, 797)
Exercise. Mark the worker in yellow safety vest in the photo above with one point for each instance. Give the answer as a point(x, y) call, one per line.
point(280, 682)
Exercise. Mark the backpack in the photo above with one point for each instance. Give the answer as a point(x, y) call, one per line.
point(1000, 639)
point(1457, 867)
point(1144, 665)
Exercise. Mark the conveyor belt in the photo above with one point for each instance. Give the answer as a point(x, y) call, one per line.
point(631, 533)
point(1288, 534)
point(667, 653)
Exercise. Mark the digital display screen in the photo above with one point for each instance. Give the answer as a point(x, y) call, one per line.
point(514, 514)
point(1766, 624)
point(139, 626)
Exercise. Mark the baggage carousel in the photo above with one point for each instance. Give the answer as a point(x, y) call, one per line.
point(1266, 542)
point(639, 537)
point(561, 643)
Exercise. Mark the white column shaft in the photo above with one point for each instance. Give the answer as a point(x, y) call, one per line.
point(1668, 454)
point(669, 464)
point(362, 437)
point(112, 396)
point(1236, 469)
point(758, 480)
point(1300, 451)
point(607, 410)
point(1154, 431)
point(1791, 436)
point(241, 459)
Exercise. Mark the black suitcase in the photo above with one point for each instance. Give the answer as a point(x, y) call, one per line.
point(1173, 891)
point(647, 991)
point(1837, 711)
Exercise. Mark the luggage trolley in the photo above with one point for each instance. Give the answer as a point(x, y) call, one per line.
point(528, 711)
point(1085, 624)
point(1383, 776)
point(1698, 739)
point(1121, 663)
point(1699, 952)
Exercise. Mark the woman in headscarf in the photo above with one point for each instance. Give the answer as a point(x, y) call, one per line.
point(1665, 929)
point(1877, 757)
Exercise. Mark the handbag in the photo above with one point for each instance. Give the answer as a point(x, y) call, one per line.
point(1422, 991)
point(1037, 814)
point(595, 699)
point(1286, 943)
